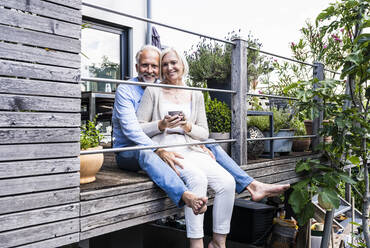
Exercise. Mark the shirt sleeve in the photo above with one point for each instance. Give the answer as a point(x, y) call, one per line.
point(125, 110)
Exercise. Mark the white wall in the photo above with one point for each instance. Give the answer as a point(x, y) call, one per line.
point(138, 28)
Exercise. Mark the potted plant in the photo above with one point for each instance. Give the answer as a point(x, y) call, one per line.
point(299, 144)
point(90, 164)
point(210, 64)
point(219, 121)
point(282, 128)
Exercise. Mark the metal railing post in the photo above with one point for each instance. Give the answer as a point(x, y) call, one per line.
point(318, 72)
point(239, 83)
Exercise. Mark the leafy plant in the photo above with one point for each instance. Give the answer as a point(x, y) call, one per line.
point(320, 179)
point(350, 129)
point(298, 126)
point(281, 120)
point(211, 60)
point(90, 135)
point(218, 116)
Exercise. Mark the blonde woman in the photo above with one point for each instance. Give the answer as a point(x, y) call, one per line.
point(177, 116)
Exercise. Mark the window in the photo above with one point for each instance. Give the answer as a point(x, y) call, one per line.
point(104, 54)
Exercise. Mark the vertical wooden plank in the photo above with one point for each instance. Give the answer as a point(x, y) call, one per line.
point(318, 72)
point(239, 83)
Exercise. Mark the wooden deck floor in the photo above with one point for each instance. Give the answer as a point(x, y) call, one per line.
point(119, 199)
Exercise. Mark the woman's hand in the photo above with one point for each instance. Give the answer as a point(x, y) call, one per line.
point(170, 122)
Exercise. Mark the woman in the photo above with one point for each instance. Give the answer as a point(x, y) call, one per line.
point(189, 125)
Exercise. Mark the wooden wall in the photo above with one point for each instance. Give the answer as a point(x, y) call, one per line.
point(39, 122)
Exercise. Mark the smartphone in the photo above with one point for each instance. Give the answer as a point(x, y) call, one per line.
point(172, 113)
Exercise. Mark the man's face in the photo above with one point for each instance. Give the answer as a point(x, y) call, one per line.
point(148, 67)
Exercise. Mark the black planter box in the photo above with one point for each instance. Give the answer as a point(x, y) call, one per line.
point(251, 222)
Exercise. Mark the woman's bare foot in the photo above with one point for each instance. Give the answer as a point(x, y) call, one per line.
point(197, 204)
point(260, 190)
point(218, 241)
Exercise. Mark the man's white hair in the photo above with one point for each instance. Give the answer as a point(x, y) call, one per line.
point(146, 47)
point(181, 58)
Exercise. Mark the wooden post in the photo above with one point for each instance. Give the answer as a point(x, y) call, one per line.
point(239, 83)
point(318, 72)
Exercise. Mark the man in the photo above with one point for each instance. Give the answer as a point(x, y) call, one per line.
point(127, 132)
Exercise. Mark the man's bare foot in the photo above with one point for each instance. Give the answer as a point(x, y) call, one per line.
point(260, 190)
point(218, 241)
point(197, 204)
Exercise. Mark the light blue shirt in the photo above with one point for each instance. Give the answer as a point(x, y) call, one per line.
point(126, 128)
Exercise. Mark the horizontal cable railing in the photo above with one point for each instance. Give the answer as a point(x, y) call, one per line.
point(134, 148)
point(117, 81)
point(157, 23)
point(105, 80)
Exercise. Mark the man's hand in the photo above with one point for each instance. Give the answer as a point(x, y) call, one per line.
point(205, 149)
point(170, 159)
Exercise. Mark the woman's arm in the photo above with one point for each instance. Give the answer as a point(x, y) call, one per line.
point(145, 114)
point(199, 129)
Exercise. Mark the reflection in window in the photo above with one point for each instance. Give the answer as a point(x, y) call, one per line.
point(100, 58)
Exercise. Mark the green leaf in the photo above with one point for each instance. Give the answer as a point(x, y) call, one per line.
point(302, 184)
point(344, 177)
point(330, 196)
point(302, 166)
point(307, 213)
point(354, 160)
point(298, 199)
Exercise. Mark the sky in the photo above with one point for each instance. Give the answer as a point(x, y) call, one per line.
point(275, 23)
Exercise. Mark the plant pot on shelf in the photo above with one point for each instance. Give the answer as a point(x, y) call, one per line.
point(223, 85)
point(280, 145)
point(255, 147)
point(301, 144)
point(90, 164)
point(308, 125)
point(221, 136)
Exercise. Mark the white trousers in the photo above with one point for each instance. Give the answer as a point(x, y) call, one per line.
point(200, 170)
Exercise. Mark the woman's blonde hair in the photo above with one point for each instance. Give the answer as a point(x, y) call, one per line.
point(179, 56)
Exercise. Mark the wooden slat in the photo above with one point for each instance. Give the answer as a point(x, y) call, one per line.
point(24, 202)
point(38, 233)
point(76, 4)
point(120, 201)
point(28, 70)
point(39, 55)
point(38, 167)
point(37, 151)
point(278, 177)
point(37, 217)
point(43, 8)
point(39, 103)
point(122, 214)
point(271, 170)
point(40, 88)
point(128, 223)
point(55, 242)
point(38, 39)
point(38, 183)
point(100, 193)
point(292, 159)
point(37, 23)
point(40, 135)
point(29, 119)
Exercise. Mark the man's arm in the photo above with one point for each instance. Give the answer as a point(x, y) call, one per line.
point(125, 113)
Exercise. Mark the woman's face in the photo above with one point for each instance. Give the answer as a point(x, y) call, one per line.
point(172, 68)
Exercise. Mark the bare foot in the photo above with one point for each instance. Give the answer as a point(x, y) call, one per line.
point(218, 241)
point(260, 190)
point(197, 204)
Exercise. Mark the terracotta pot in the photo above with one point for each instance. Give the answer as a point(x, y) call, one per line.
point(301, 145)
point(90, 164)
point(308, 126)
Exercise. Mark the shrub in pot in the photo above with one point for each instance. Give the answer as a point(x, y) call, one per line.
point(299, 144)
point(90, 164)
point(281, 129)
point(219, 121)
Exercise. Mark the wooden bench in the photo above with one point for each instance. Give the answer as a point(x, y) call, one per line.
point(120, 199)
